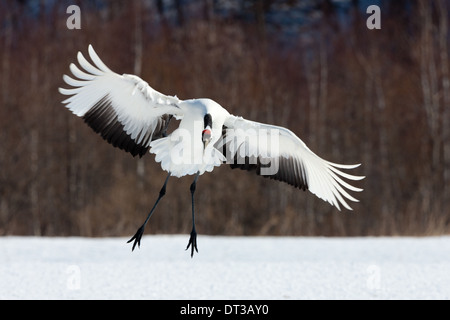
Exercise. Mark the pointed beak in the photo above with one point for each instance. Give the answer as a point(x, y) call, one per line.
point(205, 144)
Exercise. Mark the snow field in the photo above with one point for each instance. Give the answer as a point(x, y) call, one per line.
point(225, 268)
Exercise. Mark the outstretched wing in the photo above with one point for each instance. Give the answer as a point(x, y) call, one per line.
point(123, 109)
point(277, 153)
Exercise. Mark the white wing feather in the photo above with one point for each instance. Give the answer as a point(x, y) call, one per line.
point(126, 99)
point(298, 165)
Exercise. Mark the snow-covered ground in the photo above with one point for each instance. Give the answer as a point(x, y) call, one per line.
point(225, 268)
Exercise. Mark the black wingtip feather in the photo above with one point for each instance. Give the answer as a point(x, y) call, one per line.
point(289, 171)
point(103, 119)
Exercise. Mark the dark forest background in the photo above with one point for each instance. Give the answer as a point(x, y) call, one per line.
point(353, 95)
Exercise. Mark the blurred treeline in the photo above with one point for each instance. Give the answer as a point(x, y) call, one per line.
point(379, 97)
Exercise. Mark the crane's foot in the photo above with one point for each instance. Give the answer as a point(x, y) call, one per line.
point(193, 242)
point(137, 237)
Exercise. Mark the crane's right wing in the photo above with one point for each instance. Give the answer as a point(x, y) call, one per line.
point(123, 109)
point(277, 153)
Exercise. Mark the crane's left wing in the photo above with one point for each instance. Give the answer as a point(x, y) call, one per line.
point(277, 153)
point(123, 109)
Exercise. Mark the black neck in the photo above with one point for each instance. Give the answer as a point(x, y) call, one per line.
point(207, 120)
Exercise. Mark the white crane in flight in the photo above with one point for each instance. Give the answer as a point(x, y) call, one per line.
point(132, 116)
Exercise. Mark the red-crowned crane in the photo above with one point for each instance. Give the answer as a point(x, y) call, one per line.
point(132, 116)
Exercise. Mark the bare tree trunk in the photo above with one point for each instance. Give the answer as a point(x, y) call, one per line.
point(443, 44)
point(34, 155)
point(138, 45)
point(430, 93)
point(322, 105)
point(6, 59)
point(313, 82)
point(323, 93)
point(368, 128)
point(137, 69)
point(313, 88)
point(4, 89)
point(387, 190)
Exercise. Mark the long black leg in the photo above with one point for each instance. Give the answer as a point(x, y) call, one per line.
point(138, 235)
point(193, 238)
